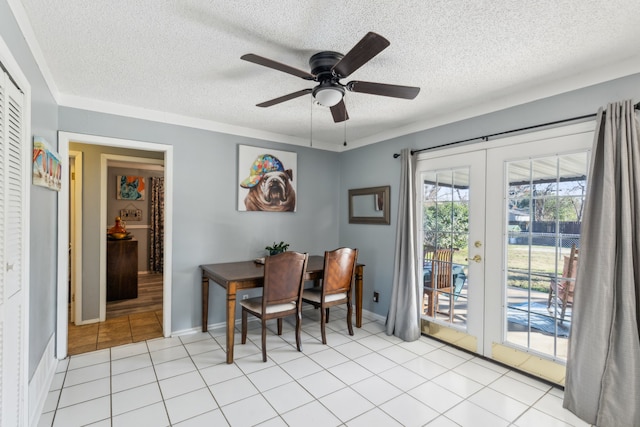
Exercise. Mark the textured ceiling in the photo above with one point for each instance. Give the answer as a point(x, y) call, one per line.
point(182, 58)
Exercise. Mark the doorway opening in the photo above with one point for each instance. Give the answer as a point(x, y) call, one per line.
point(134, 283)
point(92, 306)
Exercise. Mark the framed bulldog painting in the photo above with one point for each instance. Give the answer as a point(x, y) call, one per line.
point(266, 179)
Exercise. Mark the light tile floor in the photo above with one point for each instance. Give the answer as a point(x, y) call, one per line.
point(370, 379)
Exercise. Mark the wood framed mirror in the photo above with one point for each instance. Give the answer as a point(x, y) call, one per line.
point(369, 205)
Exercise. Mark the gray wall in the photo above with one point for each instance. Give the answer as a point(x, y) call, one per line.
point(43, 267)
point(207, 227)
point(374, 165)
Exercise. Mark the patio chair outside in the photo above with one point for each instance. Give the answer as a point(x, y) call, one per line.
point(562, 288)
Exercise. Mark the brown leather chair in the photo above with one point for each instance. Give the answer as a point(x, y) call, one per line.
point(339, 269)
point(281, 295)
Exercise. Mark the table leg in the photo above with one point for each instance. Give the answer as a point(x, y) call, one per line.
point(205, 303)
point(231, 320)
point(359, 274)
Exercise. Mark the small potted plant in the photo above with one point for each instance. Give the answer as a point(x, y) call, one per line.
point(277, 248)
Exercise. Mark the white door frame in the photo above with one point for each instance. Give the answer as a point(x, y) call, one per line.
point(75, 235)
point(64, 139)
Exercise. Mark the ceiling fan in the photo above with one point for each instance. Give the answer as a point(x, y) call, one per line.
point(327, 68)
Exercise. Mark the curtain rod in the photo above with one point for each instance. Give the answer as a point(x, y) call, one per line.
point(486, 137)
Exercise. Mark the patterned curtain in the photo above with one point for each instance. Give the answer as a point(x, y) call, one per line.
point(156, 234)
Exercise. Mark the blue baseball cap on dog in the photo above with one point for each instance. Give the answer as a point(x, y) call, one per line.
point(263, 164)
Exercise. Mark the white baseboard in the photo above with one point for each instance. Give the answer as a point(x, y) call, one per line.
point(198, 329)
point(87, 322)
point(373, 315)
point(41, 382)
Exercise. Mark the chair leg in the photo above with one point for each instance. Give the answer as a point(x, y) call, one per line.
point(564, 305)
point(425, 302)
point(244, 326)
point(349, 315)
point(264, 340)
point(323, 320)
point(452, 305)
point(430, 298)
point(327, 315)
point(298, 328)
point(280, 326)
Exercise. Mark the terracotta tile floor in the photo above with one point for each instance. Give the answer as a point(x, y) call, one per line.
point(113, 332)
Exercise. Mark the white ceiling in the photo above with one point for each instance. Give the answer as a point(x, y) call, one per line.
point(179, 61)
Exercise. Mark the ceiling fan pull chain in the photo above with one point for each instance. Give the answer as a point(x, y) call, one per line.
point(345, 127)
point(311, 124)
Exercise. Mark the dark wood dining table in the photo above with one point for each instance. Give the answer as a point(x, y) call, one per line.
point(236, 276)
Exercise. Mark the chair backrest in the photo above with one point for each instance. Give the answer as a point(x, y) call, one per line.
point(569, 270)
point(441, 268)
point(284, 277)
point(339, 268)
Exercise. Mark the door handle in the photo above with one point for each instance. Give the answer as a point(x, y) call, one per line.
point(476, 258)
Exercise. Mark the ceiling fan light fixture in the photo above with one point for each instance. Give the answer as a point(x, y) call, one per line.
point(328, 95)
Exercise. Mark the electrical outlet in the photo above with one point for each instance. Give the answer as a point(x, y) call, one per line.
point(245, 296)
point(376, 296)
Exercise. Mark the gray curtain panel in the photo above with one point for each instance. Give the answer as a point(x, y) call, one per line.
point(156, 234)
point(403, 319)
point(603, 364)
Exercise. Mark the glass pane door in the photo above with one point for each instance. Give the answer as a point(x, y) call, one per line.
point(500, 242)
point(544, 204)
point(534, 217)
point(446, 244)
point(452, 193)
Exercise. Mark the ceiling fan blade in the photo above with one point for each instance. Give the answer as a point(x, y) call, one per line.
point(284, 98)
point(370, 45)
point(395, 91)
point(339, 112)
point(270, 63)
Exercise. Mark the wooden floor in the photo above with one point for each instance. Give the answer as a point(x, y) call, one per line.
point(149, 297)
point(127, 321)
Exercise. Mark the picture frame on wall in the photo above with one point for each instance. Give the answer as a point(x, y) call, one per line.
point(47, 167)
point(266, 179)
point(130, 187)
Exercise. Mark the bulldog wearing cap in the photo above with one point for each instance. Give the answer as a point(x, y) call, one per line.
point(269, 186)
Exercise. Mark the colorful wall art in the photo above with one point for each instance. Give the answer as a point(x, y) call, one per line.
point(130, 187)
point(47, 169)
point(266, 179)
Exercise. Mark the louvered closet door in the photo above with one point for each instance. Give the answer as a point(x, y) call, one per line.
point(12, 228)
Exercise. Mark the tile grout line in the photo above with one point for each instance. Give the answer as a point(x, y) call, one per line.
point(392, 344)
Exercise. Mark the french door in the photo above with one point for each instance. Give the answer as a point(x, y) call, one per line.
point(498, 222)
point(452, 208)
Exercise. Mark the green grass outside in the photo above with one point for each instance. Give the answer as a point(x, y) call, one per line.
point(542, 267)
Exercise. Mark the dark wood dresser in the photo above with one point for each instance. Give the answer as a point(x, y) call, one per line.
point(122, 269)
